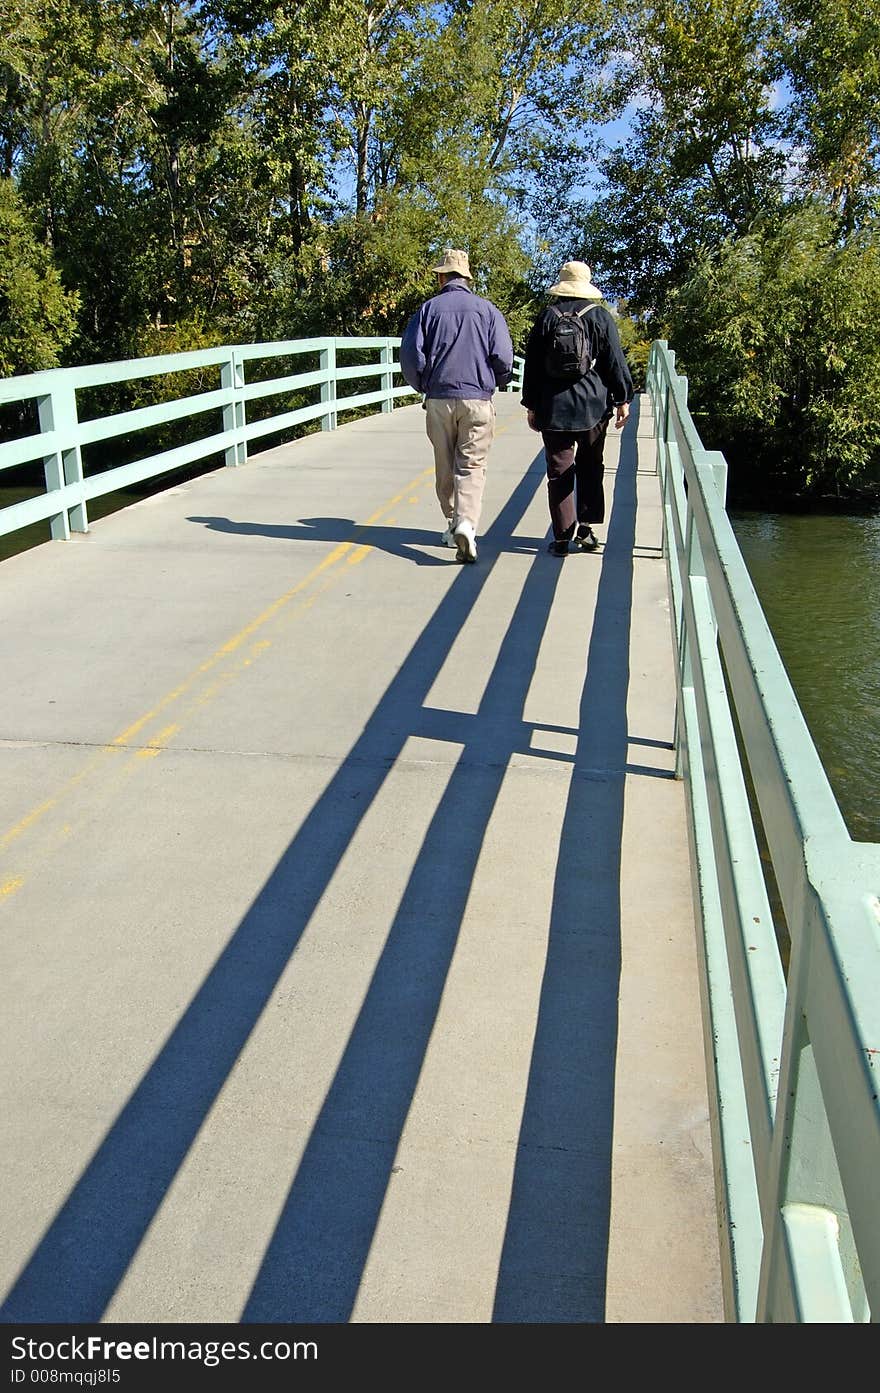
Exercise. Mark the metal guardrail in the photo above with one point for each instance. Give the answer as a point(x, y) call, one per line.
point(792, 1050)
point(62, 433)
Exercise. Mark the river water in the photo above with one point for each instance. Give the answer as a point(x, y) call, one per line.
point(818, 580)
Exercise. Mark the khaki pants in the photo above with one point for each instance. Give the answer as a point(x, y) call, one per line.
point(461, 433)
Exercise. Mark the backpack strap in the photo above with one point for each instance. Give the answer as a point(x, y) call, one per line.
point(579, 313)
point(587, 309)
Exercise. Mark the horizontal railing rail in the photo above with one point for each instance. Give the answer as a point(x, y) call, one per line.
point(791, 960)
point(228, 426)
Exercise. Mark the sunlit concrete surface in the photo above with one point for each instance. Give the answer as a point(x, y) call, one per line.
point(348, 954)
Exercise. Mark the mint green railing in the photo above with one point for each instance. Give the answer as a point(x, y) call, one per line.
point(792, 1049)
point(228, 430)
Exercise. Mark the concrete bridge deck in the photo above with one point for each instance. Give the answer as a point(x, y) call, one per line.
point(348, 951)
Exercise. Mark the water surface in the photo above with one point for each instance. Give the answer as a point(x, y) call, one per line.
point(818, 581)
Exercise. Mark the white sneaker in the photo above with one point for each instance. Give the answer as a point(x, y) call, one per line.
point(586, 538)
point(465, 541)
point(447, 538)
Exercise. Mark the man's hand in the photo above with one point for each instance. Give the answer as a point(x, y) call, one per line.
point(622, 413)
point(532, 420)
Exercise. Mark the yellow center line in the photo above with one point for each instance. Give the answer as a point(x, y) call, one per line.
point(233, 644)
point(158, 743)
point(349, 551)
point(154, 747)
point(358, 555)
point(26, 822)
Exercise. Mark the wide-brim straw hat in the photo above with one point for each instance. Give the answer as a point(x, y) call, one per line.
point(454, 263)
point(574, 280)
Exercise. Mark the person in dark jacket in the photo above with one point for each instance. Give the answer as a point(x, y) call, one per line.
point(456, 350)
point(573, 414)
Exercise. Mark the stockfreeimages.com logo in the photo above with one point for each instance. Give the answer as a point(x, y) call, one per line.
point(94, 1348)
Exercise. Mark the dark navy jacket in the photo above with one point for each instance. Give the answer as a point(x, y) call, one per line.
point(457, 345)
point(576, 406)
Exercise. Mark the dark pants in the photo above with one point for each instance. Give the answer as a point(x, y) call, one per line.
point(575, 474)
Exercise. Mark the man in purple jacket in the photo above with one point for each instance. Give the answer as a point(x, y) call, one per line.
point(456, 350)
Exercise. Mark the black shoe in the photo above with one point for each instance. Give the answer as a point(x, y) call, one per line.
point(586, 538)
point(558, 548)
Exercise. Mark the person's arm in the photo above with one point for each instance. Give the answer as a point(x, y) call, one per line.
point(531, 388)
point(412, 353)
point(500, 348)
point(614, 371)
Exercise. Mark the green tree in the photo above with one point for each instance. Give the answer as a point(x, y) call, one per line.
point(777, 332)
point(535, 76)
point(432, 128)
point(119, 122)
point(831, 52)
point(37, 314)
point(703, 159)
point(366, 275)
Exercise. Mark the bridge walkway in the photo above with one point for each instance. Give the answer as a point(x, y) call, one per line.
point(349, 951)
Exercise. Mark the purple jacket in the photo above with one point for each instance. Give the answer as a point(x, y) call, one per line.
point(457, 345)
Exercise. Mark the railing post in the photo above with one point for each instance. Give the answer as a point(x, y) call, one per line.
point(809, 1239)
point(328, 386)
point(57, 412)
point(651, 385)
point(693, 566)
point(387, 358)
point(665, 396)
point(660, 410)
point(719, 472)
point(234, 417)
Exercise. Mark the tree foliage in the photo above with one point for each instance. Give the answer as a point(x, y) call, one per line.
point(830, 50)
point(191, 171)
point(779, 339)
point(37, 315)
point(740, 216)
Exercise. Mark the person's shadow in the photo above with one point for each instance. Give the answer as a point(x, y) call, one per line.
point(405, 542)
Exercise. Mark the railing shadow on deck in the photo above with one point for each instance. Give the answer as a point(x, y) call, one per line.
point(558, 1217)
point(561, 1196)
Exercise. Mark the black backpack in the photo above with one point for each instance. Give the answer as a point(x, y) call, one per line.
point(569, 353)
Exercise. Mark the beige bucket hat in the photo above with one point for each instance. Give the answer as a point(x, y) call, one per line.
point(574, 280)
point(454, 263)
